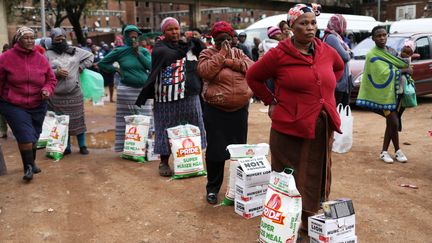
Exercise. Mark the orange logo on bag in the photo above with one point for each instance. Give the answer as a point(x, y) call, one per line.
point(132, 134)
point(54, 134)
point(188, 148)
point(271, 209)
point(250, 152)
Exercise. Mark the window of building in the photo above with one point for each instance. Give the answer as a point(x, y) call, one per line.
point(137, 19)
point(406, 12)
point(148, 20)
point(136, 3)
point(147, 4)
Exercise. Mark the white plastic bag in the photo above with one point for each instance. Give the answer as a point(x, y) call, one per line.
point(57, 142)
point(185, 142)
point(48, 124)
point(343, 142)
point(281, 218)
point(136, 134)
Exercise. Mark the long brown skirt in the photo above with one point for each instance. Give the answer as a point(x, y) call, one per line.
point(311, 161)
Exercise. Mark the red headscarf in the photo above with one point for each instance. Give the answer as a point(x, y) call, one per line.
point(222, 27)
point(300, 9)
point(337, 25)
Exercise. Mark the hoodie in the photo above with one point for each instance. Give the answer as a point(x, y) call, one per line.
point(134, 67)
point(23, 76)
point(266, 45)
point(304, 85)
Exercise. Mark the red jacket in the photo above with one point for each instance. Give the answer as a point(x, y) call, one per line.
point(23, 76)
point(304, 85)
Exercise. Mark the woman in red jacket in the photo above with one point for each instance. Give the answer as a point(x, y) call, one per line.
point(26, 82)
point(302, 108)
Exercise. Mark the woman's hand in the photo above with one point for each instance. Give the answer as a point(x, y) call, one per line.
point(225, 48)
point(45, 94)
point(409, 70)
point(61, 73)
point(135, 45)
point(270, 110)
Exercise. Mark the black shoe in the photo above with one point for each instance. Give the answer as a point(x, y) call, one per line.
point(84, 150)
point(36, 169)
point(28, 174)
point(212, 198)
point(67, 151)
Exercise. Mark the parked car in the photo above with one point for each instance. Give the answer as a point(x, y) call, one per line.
point(421, 60)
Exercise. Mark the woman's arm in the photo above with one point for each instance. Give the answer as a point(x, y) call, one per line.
point(210, 63)
point(240, 62)
point(106, 64)
point(86, 59)
point(334, 42)
point(144, 58)
point(50, 80)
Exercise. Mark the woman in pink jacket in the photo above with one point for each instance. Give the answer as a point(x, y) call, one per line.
point(302, 107)
point(26, 82)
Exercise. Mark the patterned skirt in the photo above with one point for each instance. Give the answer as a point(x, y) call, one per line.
point(72, 105)
point(171, 114)
point(125, 106)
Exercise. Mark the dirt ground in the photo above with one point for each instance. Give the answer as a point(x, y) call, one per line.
point(102, 198)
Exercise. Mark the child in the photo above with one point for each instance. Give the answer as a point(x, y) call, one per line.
point(405, 54)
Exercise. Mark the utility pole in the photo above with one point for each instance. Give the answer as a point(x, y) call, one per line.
point(42, 3)
point(379, 10)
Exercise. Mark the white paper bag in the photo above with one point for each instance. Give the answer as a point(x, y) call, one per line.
point(343, 142)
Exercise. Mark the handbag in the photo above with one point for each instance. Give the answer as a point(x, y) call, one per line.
point(343, 142)
point(409, 98)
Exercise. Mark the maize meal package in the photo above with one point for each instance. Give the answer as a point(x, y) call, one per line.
point(136, 135)
point(47, 126)
point(239, 151)
point(185, 141)
point(281, 218)
point(58, 139)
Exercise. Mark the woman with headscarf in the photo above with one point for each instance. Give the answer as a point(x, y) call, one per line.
point(26, 82)
point(333, 35)
point(174, 88)
point(226, 100)
point(274, 35)
point(135, 64)
point(67, 63)
point(302, 108)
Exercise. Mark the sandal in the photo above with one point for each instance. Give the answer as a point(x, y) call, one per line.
point(164, 170)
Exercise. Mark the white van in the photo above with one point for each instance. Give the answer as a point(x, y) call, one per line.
point(411, 26)
point(355, 24)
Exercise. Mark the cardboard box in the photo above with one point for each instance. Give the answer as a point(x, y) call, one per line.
point(250, 193)
point(334, 229)
point(352, 239)
point(339, 208)
point(253, 171)
point(249, 209)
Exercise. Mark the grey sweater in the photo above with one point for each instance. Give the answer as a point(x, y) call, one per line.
point(343, 85)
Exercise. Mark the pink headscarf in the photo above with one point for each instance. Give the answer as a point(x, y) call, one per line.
point(300, 9)
point(168, 21)
point(272, 31)
point(337, 26)
point(411, 44)
point(222, 27)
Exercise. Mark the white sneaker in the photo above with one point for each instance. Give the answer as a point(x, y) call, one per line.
point(400, 156)
point(386, 157)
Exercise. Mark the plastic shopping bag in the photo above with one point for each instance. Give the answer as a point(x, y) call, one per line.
point(185, 142)
point(92, 85)
point(409, 98)
point(48, 124)
point(281, 218)
point(58, 139)
point(343, 142)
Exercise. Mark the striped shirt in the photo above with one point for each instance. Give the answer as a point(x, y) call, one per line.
point(170, 82)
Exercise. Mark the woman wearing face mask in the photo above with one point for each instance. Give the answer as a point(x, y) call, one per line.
point(67, 63)
point(170, 84)
point(226, 97)
point(302, 108)
point(135, 64)
point(26, 82)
